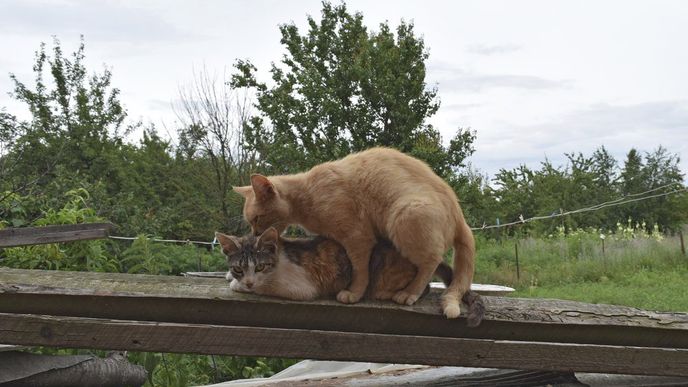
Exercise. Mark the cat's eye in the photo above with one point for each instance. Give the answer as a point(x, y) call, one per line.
point(260, 267)
point(237, 270)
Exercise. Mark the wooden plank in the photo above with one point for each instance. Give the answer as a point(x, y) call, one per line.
point(209, 301)
point(13, 237)
point(492, 290)
point(8, 348)
point(298, 343)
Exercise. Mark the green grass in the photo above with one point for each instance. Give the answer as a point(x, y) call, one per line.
point(642, 271)
point(653, 290)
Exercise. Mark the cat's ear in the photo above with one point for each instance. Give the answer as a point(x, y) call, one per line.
point(262, 187)
point(230, 244)
point(243, 191)
point(269, 238)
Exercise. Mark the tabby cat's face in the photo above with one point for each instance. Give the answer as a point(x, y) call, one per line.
point(251, 259)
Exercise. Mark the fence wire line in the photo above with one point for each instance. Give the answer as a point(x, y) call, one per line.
point(612, 203)
point(630, 198)
point(214, 242)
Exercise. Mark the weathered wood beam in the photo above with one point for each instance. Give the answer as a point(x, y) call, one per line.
point(29, 369)
point(210, 301)
point(13, 237)
point(315, 344)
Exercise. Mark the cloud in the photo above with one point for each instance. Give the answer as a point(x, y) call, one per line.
point(645, 121)
point(482, 49)
point(101, 20)
point(457, 79)
point(159, 105)
point(461, 106)
point(619, 128)
point(476, 82)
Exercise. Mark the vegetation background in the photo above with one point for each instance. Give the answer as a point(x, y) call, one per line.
point(339, 88)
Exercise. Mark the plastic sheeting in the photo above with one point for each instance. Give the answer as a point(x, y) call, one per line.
point(318, 369)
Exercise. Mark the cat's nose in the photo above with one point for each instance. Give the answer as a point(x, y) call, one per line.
point(249, 284)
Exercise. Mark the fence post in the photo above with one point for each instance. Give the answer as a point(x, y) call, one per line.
point(603, 247)
point(518, 270)
point(683, 246)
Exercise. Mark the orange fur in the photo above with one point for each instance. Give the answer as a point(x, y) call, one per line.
point(377, 193)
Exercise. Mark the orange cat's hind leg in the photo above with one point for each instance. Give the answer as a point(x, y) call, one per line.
point(415, 289)
point(413, 231)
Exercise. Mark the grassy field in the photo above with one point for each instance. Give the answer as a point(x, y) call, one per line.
point(644, 270)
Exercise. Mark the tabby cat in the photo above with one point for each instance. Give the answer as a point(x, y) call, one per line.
point(310, 268)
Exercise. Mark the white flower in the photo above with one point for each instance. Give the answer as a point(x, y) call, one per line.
point(602, 236)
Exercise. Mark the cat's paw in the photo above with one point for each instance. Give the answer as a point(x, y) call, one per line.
point(237, 286)
point(404, 298)
point(347, 297)
point(452, 311)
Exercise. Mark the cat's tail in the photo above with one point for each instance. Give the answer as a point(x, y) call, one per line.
point(464, 265)
point(476, 306)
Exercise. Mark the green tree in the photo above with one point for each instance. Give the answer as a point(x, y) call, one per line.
point(515, 192)
point(631, 174)
point(476, 197)
point(339, 89)
point(10, 129)
point(656, 169)
point(75, 118)
point(591, 180)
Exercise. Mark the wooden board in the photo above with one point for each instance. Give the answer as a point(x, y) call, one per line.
point(314, 344)
point(7, 348)
point(13, 237)
point(492, 290)
point(209, 301)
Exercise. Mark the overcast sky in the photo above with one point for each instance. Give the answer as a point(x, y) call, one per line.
point(536, 79)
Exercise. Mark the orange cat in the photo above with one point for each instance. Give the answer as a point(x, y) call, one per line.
point(377, 193)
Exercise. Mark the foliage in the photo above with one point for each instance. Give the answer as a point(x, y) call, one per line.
point(86, 255)
point(342, 89)
point(183, 370)
point(590, 180)
point(149, 257)
point(76, 118)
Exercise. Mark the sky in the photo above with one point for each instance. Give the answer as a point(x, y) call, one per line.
point(535, 79)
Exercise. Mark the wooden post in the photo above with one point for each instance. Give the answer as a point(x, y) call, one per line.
point(683, 245)
point(518, 270)
point(200, 264)
point(25, 236)
point(603, 247)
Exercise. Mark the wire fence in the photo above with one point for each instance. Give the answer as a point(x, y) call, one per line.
point(612, 203)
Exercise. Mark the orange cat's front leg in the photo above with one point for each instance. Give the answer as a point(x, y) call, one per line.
point(359, 251)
